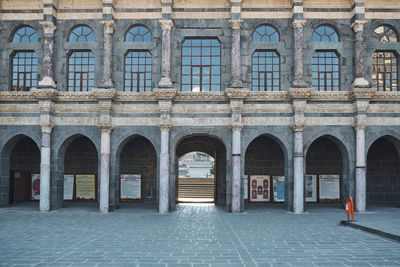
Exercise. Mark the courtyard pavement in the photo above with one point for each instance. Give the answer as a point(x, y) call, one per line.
point(194, 235)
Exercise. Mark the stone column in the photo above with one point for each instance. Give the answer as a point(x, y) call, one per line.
point(298, 53)
point(45, 168)
point(236, 171)
point(298, 173)
point(164, 169)
point(236, 79)
point(48, 70)
point(166, 26)
point(105, 169)
point(359, 69)
point(109, 28)
point(361, 178)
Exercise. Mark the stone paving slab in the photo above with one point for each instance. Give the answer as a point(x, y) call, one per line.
point(202, 235)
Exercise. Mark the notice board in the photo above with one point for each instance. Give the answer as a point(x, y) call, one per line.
point(85, 186)
point(35, 189)
point(279, 188)
point(131, 187)
point(68, 186)
point(329, 187)
point(260, 188)
point(310, 188)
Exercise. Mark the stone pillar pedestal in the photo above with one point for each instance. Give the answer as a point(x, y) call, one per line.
point(109, 28)
point(45, 169)
point(105, 169)
point(48, 71)
point(298, 53)
point(359, 70)
point(236, 62)
point(166, 26)
point(298, 173)
point(361, 178)
point(164, 171)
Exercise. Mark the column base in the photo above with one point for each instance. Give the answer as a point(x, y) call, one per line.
point(360, 83)
point(236, 84)
point(299, 83)
point(47, 82)
point(106, 84)
point(165, 82)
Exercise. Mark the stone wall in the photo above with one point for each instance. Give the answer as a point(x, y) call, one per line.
point(324, 157)
point(25, 156)
point(81, 157)
point(383, 172)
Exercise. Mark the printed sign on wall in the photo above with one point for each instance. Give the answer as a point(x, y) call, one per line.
point(68, 186)
point(329, 187)
point(35, 186)
point(279, 188)
point(259, 188)
point(311, 188)
point(85, 186)
point(246, 187)
point(131, 186)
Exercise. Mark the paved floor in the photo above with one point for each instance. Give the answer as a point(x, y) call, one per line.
point(201, 235)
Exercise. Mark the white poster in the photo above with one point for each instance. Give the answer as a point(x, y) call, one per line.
point(68, 186)
point(246, 187)
point(329, 187)
point(259, 188)
point(311, 188)
point(279, 188)
point(131, 186)
point(35, 186)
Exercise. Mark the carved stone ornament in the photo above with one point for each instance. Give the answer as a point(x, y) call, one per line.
point(200, 96)
point(236, 124)
point(237, 92)
point(108, 26)
point(48, 27)
point(236, 23)
point(299, 123)
point(101, 93)
point(298, 23)
point(358, 25)
point(46, 127)
point(164, 93)
point(360, 122)
point(363, 93)
point(236, 105)
point(165, 122)
point(166, 24)
point(105, 122)
point(45, 93)
point(300, 92)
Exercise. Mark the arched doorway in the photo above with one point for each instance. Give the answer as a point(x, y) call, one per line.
point(80, 183)
point(383, 171)
point(214, 154)
point(325, 171)
point(24, 173)
point(196, 173)
point(137, 180)
point(265, 171)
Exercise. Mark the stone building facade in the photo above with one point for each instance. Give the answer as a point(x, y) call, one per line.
point(267, 87)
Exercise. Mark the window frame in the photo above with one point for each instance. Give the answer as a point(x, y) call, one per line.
point(265, 25)
point(138, 25)
point(374, 34)
point(89, 89)
point(274, 51)
point(325, 25)
point(145, 72)
point(77, 26)
point(21, 27)
point(11, 69)
point(201, 66)
point(396, 56)
point(332, 72)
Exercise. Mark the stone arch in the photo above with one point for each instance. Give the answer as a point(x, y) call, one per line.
point(347, 183)
point(11, 139)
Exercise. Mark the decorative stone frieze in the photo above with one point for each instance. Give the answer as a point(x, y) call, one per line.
point(200, 96)
point(45, 93)
point(161, 93)
point(262, 96)
point(101, 93)
point(237, 92)
point(362, 93)
point(300, 92)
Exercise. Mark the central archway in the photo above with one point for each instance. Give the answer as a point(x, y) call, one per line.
point(215, 149)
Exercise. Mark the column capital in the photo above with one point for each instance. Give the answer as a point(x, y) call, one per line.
point(108, 26)
point(48, 27)
point(165, 124)
point(298, 23)
point(46, 127)
point(360, 122)
point(300, 93)
point(236, 23)
point(105, 128)
point(362, 93)
point(299, 123)
point(166, 24)
point(358, 25)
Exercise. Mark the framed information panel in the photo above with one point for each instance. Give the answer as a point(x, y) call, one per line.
point(310, 188)
point(329, 187)
point(279, 188)
point(246, 187)
point(260, 188)
point(69, 186)
point(131, 187)
point(85, 186)
point(35, 189)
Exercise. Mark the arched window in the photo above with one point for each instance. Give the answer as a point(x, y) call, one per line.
point(24, 71)
point(137, 71)
point(138, 34)
point(201, 65)
point(384, 71)
point(384, 34)
point(81, 71)
point(265, 71)
point(265, 33)
point(25, 34)
point(81, 34)
point(325, 71)
point(325, 33)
